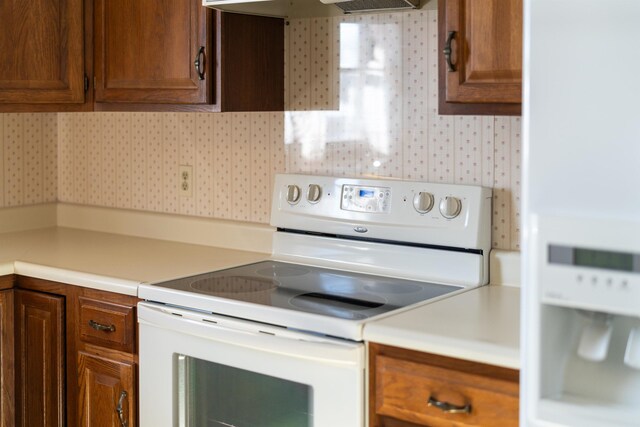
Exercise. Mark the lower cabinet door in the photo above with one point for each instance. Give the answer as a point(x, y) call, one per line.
point(107, 392)
point(7, 336)
point(40, 361)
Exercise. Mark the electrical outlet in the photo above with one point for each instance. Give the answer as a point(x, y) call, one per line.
point(186, 180)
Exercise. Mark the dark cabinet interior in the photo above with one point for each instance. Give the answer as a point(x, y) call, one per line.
point(249, 63)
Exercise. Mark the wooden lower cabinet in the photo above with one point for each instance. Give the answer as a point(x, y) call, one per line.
point(40, 359)
point(75, 356)
point(409, 388)
point(7, 338)
point(107, 392)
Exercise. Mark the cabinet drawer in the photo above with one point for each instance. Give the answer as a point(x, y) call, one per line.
point(107, 324)
point(404, 387)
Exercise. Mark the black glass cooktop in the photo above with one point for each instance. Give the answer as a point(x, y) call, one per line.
point(310, 289)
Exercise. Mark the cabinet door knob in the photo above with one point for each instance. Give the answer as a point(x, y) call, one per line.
point(100, 327)
point(199, 63)
point(120, 410)
point(447, 51)
point(448, 407)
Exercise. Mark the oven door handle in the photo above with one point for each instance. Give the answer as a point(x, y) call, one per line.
point(252, 335)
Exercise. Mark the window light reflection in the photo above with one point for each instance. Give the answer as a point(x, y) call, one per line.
point(367, 83)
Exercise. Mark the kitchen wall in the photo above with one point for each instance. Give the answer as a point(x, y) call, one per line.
point(28, 159)
point(362, 101)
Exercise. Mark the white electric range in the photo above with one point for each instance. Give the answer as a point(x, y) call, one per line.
point(287, 331)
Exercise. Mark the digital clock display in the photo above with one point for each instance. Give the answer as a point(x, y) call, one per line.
point(366, 193)
point(594, 258)
point(603, 259)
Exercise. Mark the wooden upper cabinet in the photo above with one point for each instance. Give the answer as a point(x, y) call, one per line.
point(41, 52)
point(144, 51)
point(139, 55)
point(484, 73)
point(176, 55)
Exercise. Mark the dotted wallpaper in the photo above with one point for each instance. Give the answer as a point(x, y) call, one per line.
point(361, 97)
point(28, 159)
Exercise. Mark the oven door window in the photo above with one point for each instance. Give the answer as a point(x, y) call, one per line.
point(213, 395)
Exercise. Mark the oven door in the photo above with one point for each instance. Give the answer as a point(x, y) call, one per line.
point(201, 370)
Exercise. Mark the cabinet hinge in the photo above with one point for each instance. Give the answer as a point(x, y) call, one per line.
point(86, 83)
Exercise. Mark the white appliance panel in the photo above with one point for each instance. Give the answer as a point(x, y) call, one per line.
point(334, 369)
point(581, 213)
point(581, 107)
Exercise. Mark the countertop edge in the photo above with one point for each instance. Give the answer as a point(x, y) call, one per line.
point(78, 278)
point(474, 351)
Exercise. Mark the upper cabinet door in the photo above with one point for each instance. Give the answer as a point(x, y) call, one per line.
point(482, 71)
point(41, 52)
point(145, 51)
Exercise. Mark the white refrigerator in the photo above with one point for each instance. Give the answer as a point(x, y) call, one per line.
point(581, 214)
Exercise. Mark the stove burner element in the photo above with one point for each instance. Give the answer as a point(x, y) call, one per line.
point(352, 302)
point(234, 285)
point(392, 288)
point(279, 270)
point(345, 307)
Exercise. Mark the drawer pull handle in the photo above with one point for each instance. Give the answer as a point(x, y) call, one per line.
point(448, 408)
point(120, 410)
point(100, 327)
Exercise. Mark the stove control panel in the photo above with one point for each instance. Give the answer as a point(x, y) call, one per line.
point(387, 209)
point(357, 198)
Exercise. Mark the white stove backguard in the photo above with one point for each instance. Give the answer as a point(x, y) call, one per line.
point(443, 231)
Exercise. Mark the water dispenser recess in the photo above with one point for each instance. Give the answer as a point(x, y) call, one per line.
point(595, 338)
point(583, 367)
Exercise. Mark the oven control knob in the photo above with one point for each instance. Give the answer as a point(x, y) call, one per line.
point(450, 207)
point(423, 202)
point(314, 192)
point(293, 194)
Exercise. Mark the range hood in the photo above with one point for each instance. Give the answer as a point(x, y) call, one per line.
point(357, 6)
point(309, 8)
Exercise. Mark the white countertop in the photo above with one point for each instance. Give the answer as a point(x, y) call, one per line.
point(481, 325)
point(110, 262)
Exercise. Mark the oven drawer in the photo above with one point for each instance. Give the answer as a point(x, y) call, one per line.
point(107, 324)
point(428, 390)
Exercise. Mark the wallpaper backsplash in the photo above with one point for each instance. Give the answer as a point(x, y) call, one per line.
point(361, 101)
point(28, 159)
